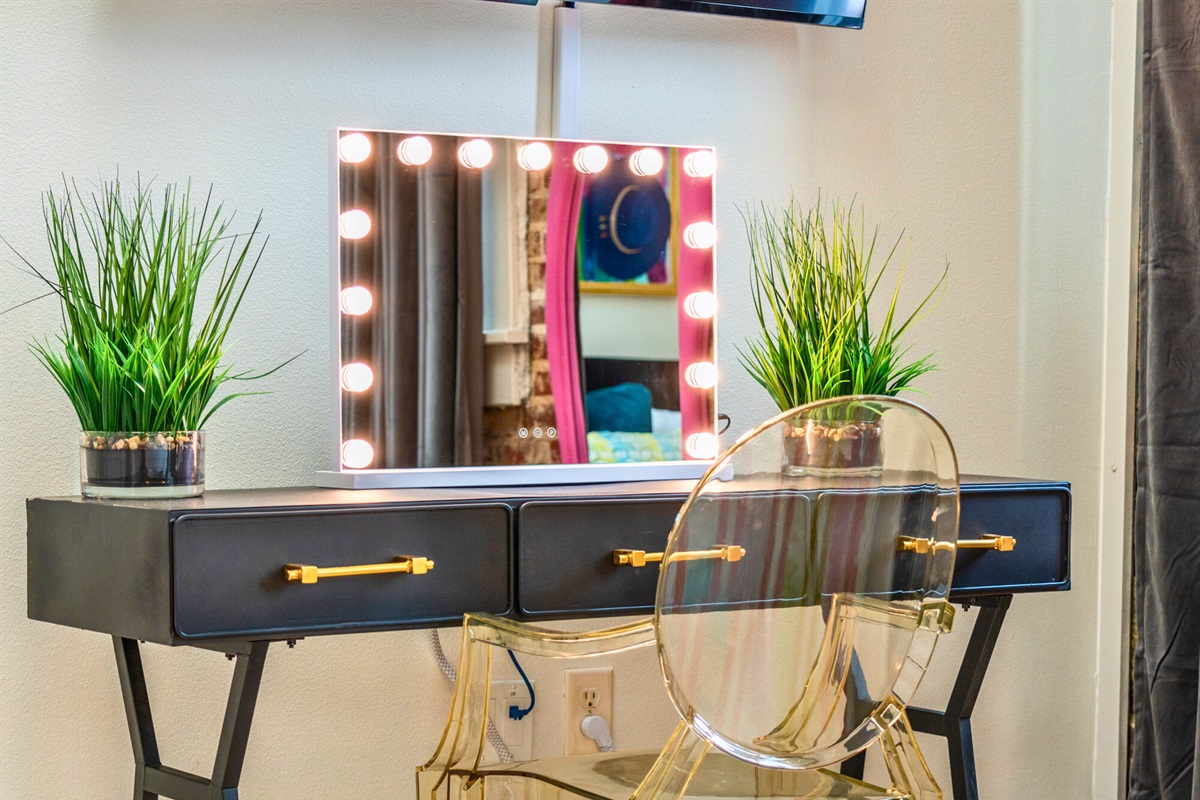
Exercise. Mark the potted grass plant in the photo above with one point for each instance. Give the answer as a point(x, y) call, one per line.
point(140, 351)
point(815, 274)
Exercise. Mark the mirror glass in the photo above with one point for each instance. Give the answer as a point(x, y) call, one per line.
point(508, 301)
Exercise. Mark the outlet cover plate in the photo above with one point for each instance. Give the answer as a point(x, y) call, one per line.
point(517, 734)
point(592, 687)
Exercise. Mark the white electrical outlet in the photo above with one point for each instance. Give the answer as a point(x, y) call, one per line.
point(589, 691)
point(517, 734)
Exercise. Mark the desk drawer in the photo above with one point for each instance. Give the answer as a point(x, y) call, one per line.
point(228, 576)
point(1039, 519)
point(565, 555)
point(564, 550)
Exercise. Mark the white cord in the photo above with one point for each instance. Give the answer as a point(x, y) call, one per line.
point(493, 735)
point(596, 728)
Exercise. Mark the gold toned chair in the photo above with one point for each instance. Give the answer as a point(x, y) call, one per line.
point(800, 596)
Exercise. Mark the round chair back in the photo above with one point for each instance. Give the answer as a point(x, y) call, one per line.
point(801, 591)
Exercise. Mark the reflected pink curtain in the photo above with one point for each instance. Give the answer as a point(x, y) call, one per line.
point(695, 275)
point(562, 333)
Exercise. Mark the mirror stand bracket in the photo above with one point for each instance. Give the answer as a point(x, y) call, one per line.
point(565, 80)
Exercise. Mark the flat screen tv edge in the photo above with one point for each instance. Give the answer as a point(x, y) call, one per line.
point(831, 13)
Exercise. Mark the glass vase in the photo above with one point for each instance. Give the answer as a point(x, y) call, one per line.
point(141, 464)
point(833, 448)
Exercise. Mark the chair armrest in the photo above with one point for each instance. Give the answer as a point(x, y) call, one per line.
point(461, 746)
point(539, 641)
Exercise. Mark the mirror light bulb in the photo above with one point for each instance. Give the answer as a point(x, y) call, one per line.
point(700, 163)
point(357, 377)
point(647, 161)
point(414, 151)
point(701, 375)
point(700, 305)
point(354, 224)
point(591, 159)
point(534, 156)
point(700, 235)
point(357, 453)
point(475, 154)
point(355, 300)
point(354, 148)
point(702, 446)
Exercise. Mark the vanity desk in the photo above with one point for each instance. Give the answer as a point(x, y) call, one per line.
point(233, 571)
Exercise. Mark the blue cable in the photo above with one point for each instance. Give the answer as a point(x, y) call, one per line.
point(513, 711)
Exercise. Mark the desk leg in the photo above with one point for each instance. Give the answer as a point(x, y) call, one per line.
point(955, 722)
point(137, 713)
point(151, 778)
point(858, 703)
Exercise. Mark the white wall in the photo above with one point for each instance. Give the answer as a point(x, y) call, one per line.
point(980, 126)
point(629, 326)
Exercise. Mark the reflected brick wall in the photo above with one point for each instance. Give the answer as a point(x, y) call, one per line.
point(502, 442)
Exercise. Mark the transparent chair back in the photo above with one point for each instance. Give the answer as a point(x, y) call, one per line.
point(803, 586)
point(800, 594)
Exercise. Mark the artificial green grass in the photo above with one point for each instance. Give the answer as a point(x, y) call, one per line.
point(138, 351)
point(812, 281)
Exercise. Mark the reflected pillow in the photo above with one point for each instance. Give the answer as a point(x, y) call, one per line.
point(624, 407)
point(620, 447)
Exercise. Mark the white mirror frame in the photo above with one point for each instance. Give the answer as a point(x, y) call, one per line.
point(466, 476)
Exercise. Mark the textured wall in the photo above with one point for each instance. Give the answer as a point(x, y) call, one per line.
point(980, 126)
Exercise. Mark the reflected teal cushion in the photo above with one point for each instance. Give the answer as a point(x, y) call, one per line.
point(624, 407)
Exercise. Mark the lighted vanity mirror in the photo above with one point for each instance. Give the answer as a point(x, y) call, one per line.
point(521, 310)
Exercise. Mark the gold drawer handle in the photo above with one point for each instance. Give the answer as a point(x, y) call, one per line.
point(989, 541)
point(640, 558)
point(305, 573)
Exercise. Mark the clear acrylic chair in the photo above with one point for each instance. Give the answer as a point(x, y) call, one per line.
point(800, 596)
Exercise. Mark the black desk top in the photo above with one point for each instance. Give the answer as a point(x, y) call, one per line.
point(313, 496)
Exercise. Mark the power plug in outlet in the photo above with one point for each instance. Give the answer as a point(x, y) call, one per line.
point(589, 691)
point(517, 734)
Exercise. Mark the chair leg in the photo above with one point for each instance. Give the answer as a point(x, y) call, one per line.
point(669, 776)
point(462, 743)
point(471, 789)
point(905, 763)
point(814, 711)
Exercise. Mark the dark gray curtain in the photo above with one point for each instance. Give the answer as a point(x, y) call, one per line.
point(1165, 746)
point(424, 335)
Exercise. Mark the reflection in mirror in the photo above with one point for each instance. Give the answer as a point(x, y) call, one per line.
point(511, 301)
